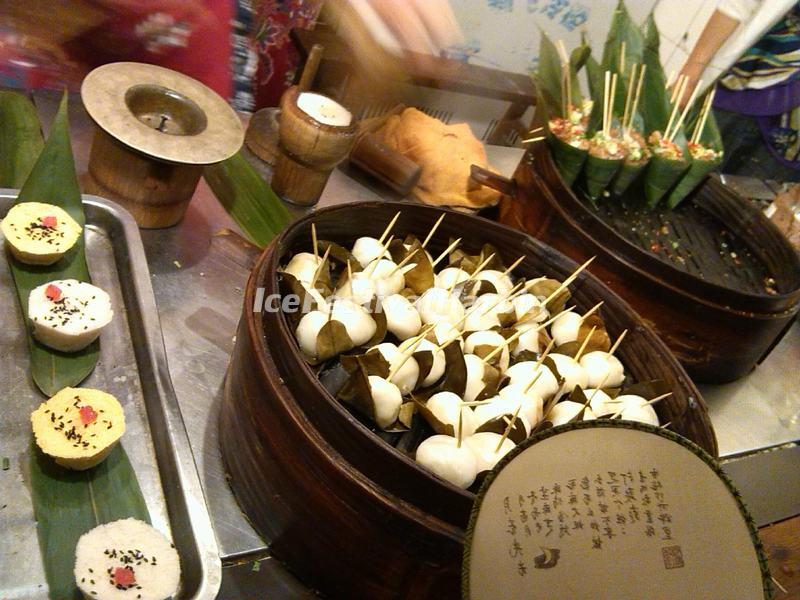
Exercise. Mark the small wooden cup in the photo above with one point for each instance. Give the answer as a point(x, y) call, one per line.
point(307, 152)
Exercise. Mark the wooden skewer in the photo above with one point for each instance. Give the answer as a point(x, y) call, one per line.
point(599, 387)
point(500, 347)
point(550, 320)
point(407, 353)
point(591, 311)
point(403, 262)
point(622, 57)
point(540, 362)
point(568, 281)
point(638, 95)
point(481, 266)
point(676, 107)
point(350, 277)
point(460, 428)
point(508, 296)
point(649, 402)
point(477, 402)
point(371, 268)
point(314, 240)
point(701, 121)
point(611, 102)
point(508, 429)
point(629, 97)
point(566, 75)
point(669, 79)
point(530, 385)
point(778, 585)
point(447, 251)
point(696, 131)
point(686, 108)
point(538, 138)
point(618, 342)
point(318, 270)
point(388, 228)
point(676, 89)
point(514, 265)
point(667, 424)
point(535, 129)
point(585, 343)
point(606, 91)
point(472, 276)
point(433, 230)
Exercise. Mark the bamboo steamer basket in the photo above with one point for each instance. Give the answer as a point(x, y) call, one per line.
point(346, 510)
point(710, 316)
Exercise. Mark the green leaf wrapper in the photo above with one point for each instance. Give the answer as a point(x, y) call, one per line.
point(67, 504)
point(661, 175)
point(53, 180)
point(569, 160)
point(626, 176)
point(248, 199)
point(20, 139)
point(699, 169)
point(598, 173)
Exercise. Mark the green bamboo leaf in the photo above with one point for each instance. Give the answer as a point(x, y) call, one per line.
point(654, 103)
point(598, 173)
point(53, 180)
point(67, 504)
point(662, 173)
point(699, 169)
point(623, 29)
point(595, 77)
point(548, 76)
point(627, 175)
point(20, 139)
point(250, 201)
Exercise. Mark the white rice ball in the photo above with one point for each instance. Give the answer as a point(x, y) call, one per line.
point(566, 328)
point(565, 411)
point(438, 305)
point(603, 369)
point(387, 399)
point(447, 407)
point(129, 554)
point(492, 339)
point(402, 319)
point(484, 446)
point(441, 455)
point(572, 372)
point(367, 249)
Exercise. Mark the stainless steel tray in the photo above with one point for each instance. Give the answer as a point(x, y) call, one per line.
point(133, 367)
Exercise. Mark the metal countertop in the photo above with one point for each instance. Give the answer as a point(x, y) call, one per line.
point(199, 297)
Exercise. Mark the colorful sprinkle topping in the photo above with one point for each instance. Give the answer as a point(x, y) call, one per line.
point(49, 221)
point(53, 292)
point(88, 415)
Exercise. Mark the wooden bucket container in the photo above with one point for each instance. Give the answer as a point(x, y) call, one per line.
point(698, 275)
point(307, 152)
point(345, 508)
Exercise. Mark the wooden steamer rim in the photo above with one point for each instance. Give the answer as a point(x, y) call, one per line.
point(702, 509)
point(213, 131)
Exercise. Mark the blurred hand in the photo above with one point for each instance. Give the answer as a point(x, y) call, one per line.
point(388, 37)
point(421, 26)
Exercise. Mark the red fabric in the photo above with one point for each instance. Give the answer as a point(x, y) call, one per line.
point(190, 36)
